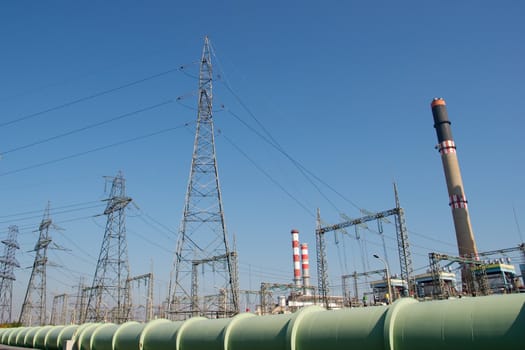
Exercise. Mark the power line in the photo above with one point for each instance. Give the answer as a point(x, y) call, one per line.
point(54, 213)
point(86, 98)
point(143, 215)
point(87, 127)
point(148, 240)
point(55, 208)
point(274, 143)
point(76, 155)
point(265, 173)
point(29, 228)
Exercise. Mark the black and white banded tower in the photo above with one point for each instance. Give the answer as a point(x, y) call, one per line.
point(205, 268)
point(109, 298)
point(34, 311)
point(7, 264)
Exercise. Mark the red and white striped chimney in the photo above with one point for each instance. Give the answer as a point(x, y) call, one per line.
point(306, 268)
point(296, 261)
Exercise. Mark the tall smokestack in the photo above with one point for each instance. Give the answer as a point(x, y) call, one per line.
point(306, 268)
point(296, 261)
point(458, 201)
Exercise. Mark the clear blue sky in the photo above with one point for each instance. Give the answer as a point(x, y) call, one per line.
point(343, 86)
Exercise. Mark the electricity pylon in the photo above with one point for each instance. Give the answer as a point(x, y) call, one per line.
point(202, 235)
point(34, 307)
point(108, 298)
point(7, 264)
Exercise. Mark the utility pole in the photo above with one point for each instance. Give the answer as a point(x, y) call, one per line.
point(7, 264)
point(203, 233)
point(109, 294)
point(33, 311)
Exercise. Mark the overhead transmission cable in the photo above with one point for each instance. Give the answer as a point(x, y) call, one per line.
point(86, 98)
point(275, 144)
point(149, 241)
point(90, 126)
point(143, 214)
point(53, 209)
point(269, 138)
point(262, 136)
point(93, 150)
point(265, 173)
point(54, 213)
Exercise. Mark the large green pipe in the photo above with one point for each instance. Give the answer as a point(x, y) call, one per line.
point(14, 334)
point(83, 342)
point(20, 336)
point(127, 336)
point(51, 338)
point(5, 335)
point(64, 335)
point(39, 340)
point(102, 338)
point(494, 322)
point(30, 337)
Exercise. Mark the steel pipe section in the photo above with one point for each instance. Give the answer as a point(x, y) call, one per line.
point(128, 335)
point(492, 322)
point(65, 334)
point(29, 339)
point(51, 338)
point(39, 340)
point(5, 335)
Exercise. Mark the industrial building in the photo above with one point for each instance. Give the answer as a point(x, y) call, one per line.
point(425, 283)
point(501, 276)
point(381, 293)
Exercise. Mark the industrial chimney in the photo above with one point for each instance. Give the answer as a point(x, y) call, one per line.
point(458, 201)
point(296, 258)
point(306, 268)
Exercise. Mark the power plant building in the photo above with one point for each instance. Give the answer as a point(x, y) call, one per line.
point(501, 276)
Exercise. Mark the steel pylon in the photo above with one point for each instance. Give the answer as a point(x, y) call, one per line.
point(108, 297)
point(7, 264)
point(203, 239)
point(33, 311)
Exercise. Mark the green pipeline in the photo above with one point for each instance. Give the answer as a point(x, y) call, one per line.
point(492, 322)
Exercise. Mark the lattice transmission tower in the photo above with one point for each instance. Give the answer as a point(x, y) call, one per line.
point(8, 263)
point(203, 244)
point(108, 296)
point(34, 307)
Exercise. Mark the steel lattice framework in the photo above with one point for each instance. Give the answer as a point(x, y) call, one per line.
point(346, 292)
point(33, 311)
point(108, 298)
point(405, 259)
point(59, 309)
point(147, 279)
point(474, 273)
point(7, 264)
point(202, 236)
